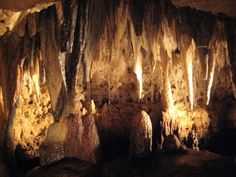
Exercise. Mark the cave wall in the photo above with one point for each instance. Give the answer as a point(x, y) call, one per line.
point(166, 39)
point(83, 50)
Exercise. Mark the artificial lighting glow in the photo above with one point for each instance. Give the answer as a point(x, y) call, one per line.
point(189, 63)
point(206, 76)
point(139, 72)
point(211, 78)
point(93, 107)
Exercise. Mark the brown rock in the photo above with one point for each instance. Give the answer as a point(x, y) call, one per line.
point(31, 24)
point(171, 143)
point(73, 137)
point(50, 153)
point(140, 135)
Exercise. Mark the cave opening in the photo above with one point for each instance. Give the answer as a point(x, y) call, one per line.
point(117, 88)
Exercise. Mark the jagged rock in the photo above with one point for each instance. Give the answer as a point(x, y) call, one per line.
point(171, 143)
point(140, 135)
point(50, 153)
point(73, 137)
point(32, 116)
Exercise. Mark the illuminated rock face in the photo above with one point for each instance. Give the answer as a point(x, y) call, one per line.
point(32, 117)
point(75, 137)
point(127, 57)
point(182, 122)
point(169, 48)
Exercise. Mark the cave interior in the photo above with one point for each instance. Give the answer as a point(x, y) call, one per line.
point(117, 88)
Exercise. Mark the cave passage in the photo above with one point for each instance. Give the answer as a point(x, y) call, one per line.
point(117, 88)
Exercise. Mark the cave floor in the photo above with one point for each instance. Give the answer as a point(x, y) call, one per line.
point(189, 164)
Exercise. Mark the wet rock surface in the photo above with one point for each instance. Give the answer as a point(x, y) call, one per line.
point(193, 163)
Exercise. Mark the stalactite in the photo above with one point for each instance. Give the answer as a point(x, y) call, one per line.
point(35, 77)
point(104, 44)
point(95, 16)
point(189, 64)
point(70, 10)
point(32, 24)
point(170, 99)
point(203, 57)
point(212, 64)
point(50, 57)
point(77, 54)
point(15, 67)
point(139, 72)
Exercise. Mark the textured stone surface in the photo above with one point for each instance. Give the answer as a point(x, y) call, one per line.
point(23, 5)
point(9, 19)
point(115, 120)
point(215, 6)
point(185, 60)
point(32, 117)
point(183, 122)
point(171, 143)
point(73, 137)
point(140, 135)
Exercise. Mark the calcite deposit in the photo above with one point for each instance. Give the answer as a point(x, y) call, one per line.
point(96, 80)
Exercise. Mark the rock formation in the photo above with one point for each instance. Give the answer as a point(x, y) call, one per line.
point(75, 75)
point(140, 135)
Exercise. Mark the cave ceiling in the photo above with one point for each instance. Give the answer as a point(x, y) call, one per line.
point(227, 7)
point(12, 12)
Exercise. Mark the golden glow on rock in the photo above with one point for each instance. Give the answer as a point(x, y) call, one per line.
point(12, 18)
point(168, 92)
point(35, 79)
point(32, 116)
point(93, 107)
point(139, 73)
point(1, 101)
point(170, 101)
point(189, 64)
point(210, 80)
